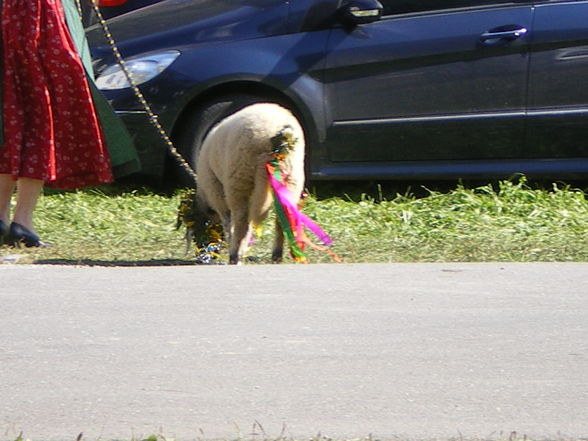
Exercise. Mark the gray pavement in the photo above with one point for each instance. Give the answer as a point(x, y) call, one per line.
point(398, 351)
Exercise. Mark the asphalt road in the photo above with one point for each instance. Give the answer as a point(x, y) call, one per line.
point(399, 351)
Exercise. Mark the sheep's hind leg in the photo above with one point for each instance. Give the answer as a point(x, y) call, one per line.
point(278, 250)
point(240, 235)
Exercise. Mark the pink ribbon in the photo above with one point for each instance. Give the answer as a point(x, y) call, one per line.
point(285, 197)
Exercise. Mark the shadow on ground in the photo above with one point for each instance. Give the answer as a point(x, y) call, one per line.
point(120, 263)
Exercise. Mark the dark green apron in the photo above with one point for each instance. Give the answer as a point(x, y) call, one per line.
point(123, 155)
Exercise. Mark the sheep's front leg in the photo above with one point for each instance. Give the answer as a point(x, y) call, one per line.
point(278, 250)
point(240, 235)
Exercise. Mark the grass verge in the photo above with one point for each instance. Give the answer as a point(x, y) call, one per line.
point(507, 221)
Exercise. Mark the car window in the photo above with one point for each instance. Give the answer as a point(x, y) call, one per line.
point(392, 7)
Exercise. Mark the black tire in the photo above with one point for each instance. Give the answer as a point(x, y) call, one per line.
point(202, 120)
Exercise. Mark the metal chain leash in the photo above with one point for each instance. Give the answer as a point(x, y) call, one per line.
point(153, 118)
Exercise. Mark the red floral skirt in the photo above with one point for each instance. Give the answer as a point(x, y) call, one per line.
point(51, 130)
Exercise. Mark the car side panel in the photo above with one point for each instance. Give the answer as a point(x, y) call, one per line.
point(422, 87)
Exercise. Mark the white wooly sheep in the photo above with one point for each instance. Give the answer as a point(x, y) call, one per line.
point(232, 178)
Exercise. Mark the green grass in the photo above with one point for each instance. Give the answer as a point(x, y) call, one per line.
point(507, 221)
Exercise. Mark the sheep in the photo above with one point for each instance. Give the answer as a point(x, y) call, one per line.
point(232, 178)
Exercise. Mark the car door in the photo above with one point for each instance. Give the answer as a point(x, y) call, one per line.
point(558, 97)
point(431, 80)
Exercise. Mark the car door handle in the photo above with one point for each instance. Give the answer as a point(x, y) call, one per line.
point(504, 34)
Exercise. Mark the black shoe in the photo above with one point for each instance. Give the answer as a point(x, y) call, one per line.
point(19, 235)
point(3, 233)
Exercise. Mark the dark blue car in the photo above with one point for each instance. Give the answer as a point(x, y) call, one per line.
point(396, 89)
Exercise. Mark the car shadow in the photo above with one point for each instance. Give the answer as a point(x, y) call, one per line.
point(377, 190)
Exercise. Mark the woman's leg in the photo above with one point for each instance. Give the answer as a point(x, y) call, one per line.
point(7, 185)
point(27, 194)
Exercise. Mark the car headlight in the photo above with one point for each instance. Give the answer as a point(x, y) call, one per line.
point(142, 69)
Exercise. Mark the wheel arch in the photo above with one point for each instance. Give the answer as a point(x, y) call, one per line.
point(308, 117)
point(198, 103)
